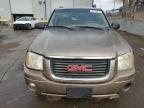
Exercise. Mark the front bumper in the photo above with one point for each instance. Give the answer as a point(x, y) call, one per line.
point(37, 82)
point(20, 26)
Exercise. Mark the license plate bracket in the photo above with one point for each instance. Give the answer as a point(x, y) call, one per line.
point(79, 92)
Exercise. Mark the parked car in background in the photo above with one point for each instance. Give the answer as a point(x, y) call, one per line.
point(79, 55)
point(25, 23)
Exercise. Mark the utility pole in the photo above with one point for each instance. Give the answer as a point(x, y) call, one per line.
point(114, 5)
point(11, 18)
point(10, 6)
point(45, 9)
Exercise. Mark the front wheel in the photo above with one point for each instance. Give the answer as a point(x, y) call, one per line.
point(29, 27)
point(15, 28)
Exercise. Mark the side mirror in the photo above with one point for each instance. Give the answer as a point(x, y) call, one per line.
point(115, 26)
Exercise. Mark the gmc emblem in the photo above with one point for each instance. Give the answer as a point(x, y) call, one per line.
point(76, 68)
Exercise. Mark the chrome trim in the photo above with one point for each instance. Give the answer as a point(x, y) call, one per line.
point(68, 57)
point(83, 80)
point(110, 96)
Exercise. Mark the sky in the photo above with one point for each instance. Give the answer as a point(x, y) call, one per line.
point(107, 4)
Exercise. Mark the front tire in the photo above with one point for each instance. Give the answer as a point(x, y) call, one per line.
point(15, 29)
point(28, 26)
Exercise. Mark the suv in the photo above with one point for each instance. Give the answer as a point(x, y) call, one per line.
point(79, 55)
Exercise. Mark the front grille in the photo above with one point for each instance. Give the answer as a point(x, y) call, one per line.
point(100, 68)
point(19, 25)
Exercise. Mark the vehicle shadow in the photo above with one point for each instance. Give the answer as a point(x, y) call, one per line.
point(44, 102)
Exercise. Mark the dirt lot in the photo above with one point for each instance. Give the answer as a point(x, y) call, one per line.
point(14, 94)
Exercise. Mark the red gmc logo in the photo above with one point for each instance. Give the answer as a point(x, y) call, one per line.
point(76, 68)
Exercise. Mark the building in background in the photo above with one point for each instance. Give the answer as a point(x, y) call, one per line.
point(41, 9)
point(5, 10)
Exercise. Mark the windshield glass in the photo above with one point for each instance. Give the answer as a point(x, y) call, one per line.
point(78, 17)
point(24, 19)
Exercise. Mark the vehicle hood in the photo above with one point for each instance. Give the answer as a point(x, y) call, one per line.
point(21, 22)
point(88, 43)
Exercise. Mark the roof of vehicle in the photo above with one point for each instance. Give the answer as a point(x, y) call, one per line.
point(99, 9)
point(26, 17)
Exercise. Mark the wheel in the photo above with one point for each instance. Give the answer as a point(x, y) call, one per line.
point(29, 27)
point(15, 28)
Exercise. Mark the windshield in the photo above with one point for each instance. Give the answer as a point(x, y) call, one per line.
point(78, 17)
point(24, 19)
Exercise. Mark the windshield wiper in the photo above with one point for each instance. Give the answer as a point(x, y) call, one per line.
point(64, 27)
point(91, 27)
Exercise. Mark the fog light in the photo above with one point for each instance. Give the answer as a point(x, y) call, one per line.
point(127, 87)
point(32, 85)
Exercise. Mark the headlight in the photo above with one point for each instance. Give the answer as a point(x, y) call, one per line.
point(125, 61)
point(34, 61)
